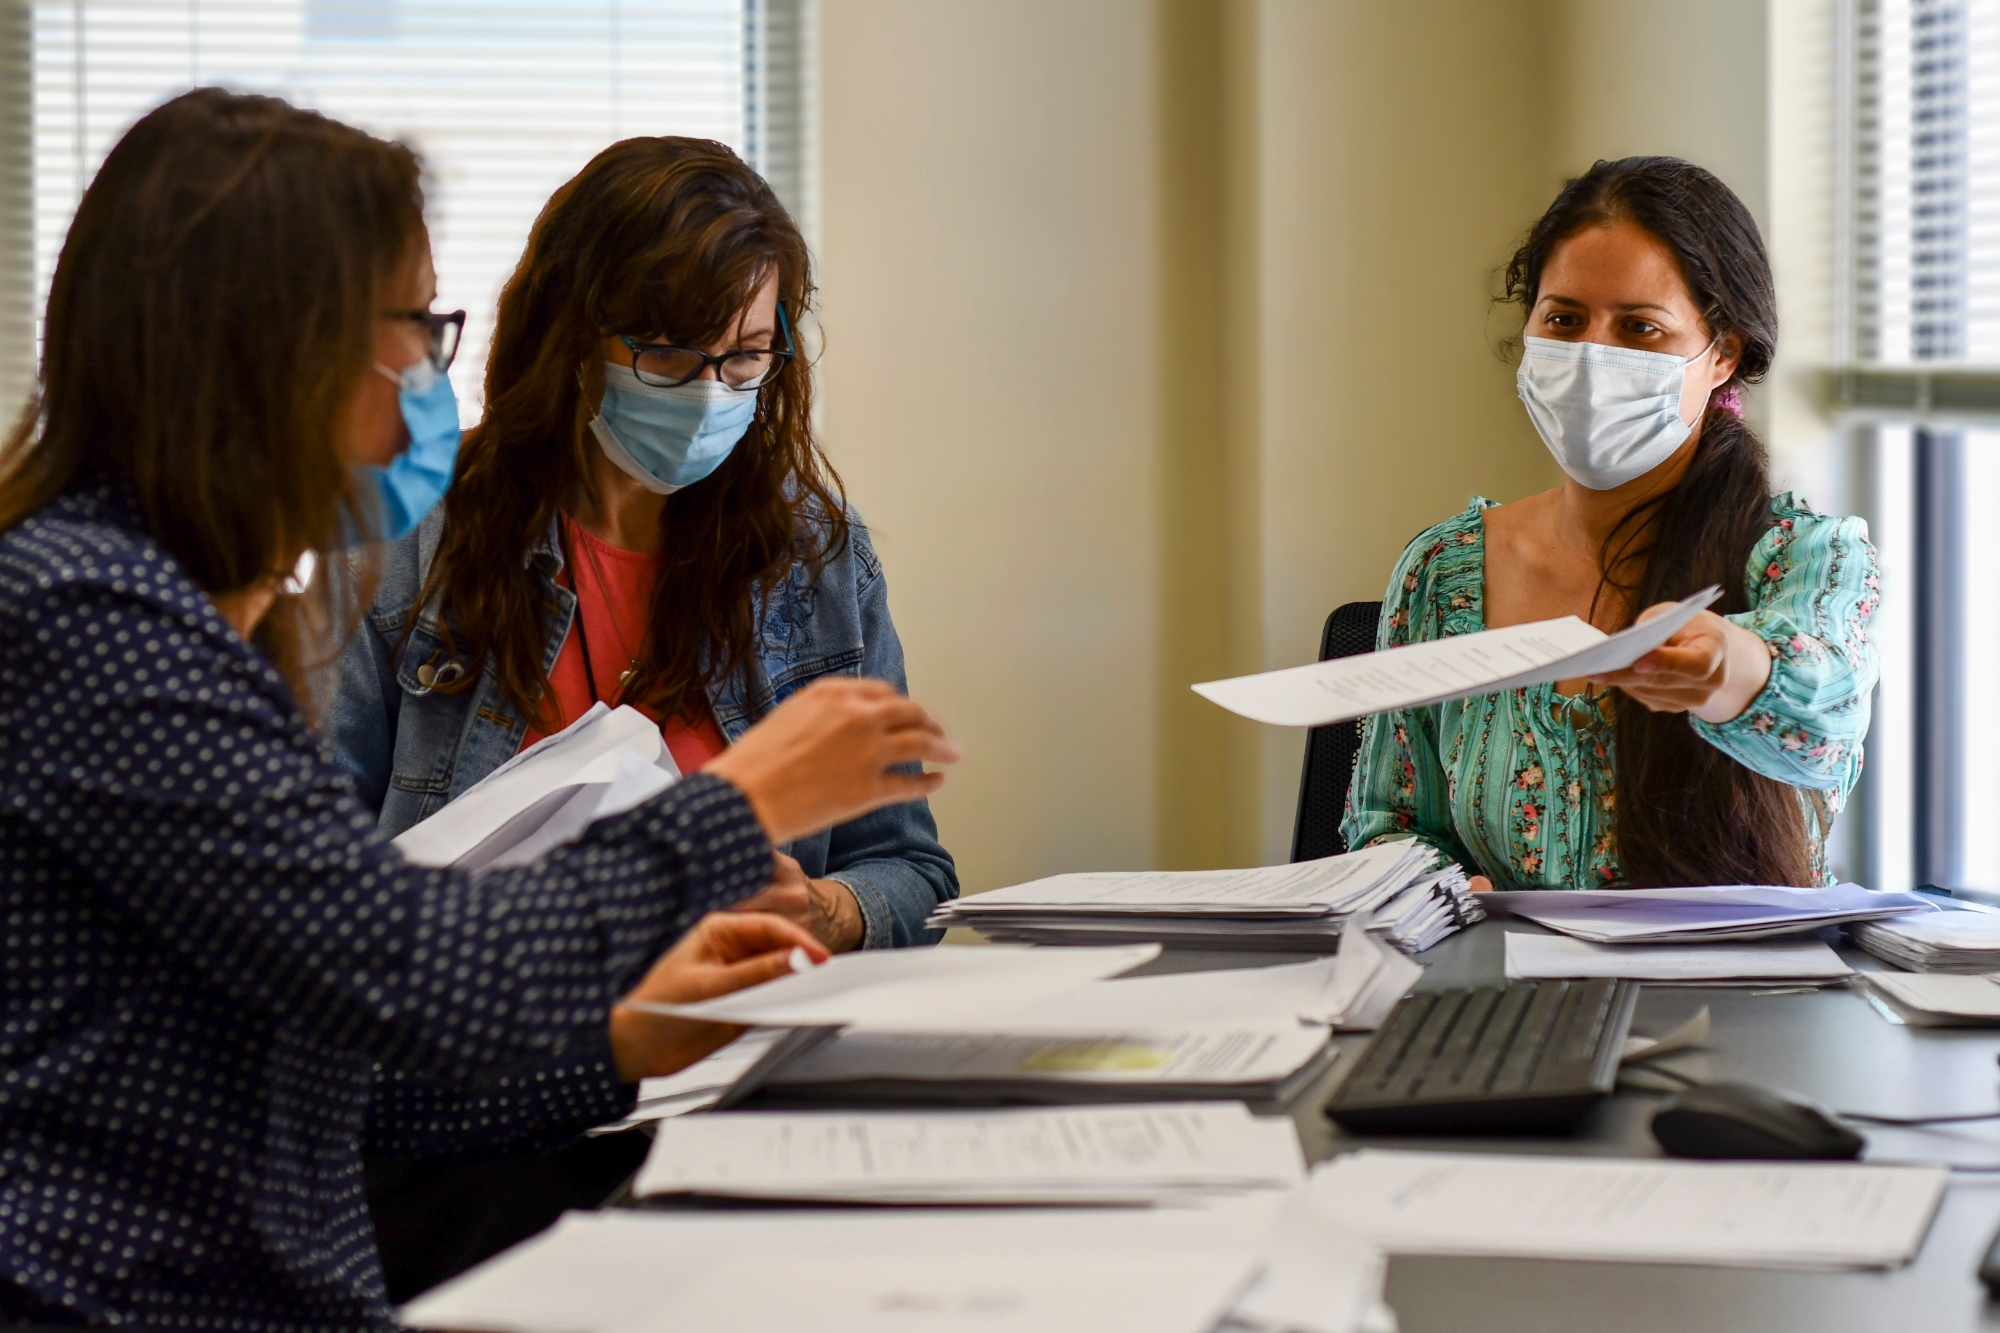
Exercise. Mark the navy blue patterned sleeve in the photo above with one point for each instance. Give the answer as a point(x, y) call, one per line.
point(217, 976)
point(170, 769)
point(532, 1111)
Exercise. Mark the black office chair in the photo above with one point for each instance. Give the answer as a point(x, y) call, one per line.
point(1330, 751)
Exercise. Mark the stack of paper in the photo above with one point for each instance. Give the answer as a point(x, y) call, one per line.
point(1962, 938)
point(1302, 906)
point(1486, 662)
point(1700, 915)
point(1001, 1270)
point(1108, 1154)
point(1752, 1215)
point(1936, 1000)
point(1265, 1063)
point(939, 1025)
point(1752, 963)
point(608, 761)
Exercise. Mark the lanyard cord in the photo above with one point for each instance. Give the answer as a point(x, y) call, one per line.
point(582, 635)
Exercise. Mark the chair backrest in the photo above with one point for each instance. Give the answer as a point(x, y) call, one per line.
point(1330, 751)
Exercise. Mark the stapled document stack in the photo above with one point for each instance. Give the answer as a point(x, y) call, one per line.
point(1963, 939)
point(1303, 906)
point(1098, 1155)
point(605, 763)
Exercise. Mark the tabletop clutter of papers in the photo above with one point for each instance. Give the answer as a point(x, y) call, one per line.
point(1044, 1078)
point(1395, 888)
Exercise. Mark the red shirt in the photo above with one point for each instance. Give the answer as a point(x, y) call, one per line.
point(614, 596)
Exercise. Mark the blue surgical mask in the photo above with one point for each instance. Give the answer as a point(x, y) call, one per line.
point(666, 439)
point(417, 478)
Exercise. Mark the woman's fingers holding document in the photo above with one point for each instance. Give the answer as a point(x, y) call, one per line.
point(724, 952)
point(1711, 667)
point(830, 754)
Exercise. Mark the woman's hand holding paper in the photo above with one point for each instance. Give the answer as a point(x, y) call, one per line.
point(1711, 668)
point(725, 952)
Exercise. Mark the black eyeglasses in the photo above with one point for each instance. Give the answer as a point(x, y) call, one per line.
point(446, 332)
point(665, 366)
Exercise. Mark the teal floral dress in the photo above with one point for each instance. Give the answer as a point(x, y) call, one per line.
point(1520, 785)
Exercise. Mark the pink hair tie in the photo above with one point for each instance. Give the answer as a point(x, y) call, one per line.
point(1729, 398)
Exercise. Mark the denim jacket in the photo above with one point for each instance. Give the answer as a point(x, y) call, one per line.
point(411, 747)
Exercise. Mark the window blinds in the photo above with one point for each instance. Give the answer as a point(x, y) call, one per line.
point(505, 99)
point(1927, 206)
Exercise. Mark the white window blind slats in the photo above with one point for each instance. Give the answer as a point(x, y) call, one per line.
point(1926, 256)
point(505, 99)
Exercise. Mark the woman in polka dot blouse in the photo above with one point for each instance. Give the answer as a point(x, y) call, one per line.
point(209, 949)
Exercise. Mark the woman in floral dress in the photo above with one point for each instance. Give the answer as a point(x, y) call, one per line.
point(1723, 756)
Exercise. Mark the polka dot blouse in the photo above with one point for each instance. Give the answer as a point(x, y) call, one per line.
point(217, 979)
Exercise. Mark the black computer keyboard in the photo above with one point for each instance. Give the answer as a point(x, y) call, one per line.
point(1523, 1057)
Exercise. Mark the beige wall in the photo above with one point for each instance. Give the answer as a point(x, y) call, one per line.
point(988, 223)
point(1157, 327)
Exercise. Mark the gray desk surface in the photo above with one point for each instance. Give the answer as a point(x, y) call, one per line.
point(1830, 1046)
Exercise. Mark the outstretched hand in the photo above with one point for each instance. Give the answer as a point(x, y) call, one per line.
point(725, 952)
point(829, 754)
point(1711, 668)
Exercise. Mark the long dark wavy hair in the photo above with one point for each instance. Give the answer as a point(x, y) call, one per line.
point(1686, 812)
point(665, 238)
point(212, 310)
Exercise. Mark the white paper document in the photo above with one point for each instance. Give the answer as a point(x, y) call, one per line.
point(1099, 1154)
point(1346, 882)
point(1486, 662)
point(1932, 999)
point(1353, 990)
point(1699, 915)
point(1545, 957)
point(1748, 1215)
point(1013, 1270)
point(605, 763)
point(914, 990)
point(1129, 1061)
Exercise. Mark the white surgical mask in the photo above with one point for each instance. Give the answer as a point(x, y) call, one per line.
point(1608, 414)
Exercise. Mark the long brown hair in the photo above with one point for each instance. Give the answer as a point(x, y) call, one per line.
point(212, 309)
point(1686, 812)
point(657, 238)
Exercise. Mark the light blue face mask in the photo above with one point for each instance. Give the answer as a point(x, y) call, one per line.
point(416, 480)
point(666, 439)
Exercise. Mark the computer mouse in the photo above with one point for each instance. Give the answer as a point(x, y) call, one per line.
point(1739, 1120)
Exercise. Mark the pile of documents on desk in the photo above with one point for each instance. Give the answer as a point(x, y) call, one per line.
point(1393, 886)
point(1706, 915)
point(605, 763)
point(1962, 937)
point(1935, 999)
point(1009, 1023)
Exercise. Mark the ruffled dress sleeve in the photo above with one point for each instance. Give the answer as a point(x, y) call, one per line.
point(1813, 586)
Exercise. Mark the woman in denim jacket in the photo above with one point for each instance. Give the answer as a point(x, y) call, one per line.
point(642, 518)
point(646, 452)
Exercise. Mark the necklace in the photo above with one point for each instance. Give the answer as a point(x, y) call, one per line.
point(582, 634)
